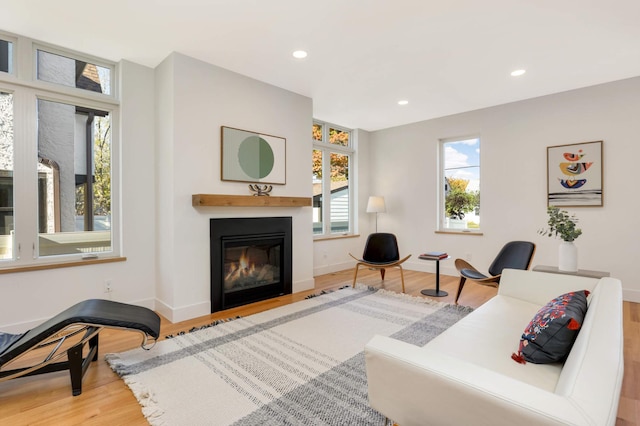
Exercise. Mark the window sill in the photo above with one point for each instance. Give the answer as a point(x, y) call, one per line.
point(466, 232)
point(69, 264)
point(334, 237)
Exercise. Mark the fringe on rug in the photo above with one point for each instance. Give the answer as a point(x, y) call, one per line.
point(311, 296)
point(404, 296)
point(413, 299)
point(202, 327)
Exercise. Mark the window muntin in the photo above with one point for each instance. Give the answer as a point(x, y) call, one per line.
point(6, 56)
point(6, 176)
point(72, 72)
point(460, 183)
point(332, 192)
point(74, 179)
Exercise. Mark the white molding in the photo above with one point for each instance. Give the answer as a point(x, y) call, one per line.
point(299, 286)
point(631, 295)
point(183, 313)
point(22, 327)
point(336, 267)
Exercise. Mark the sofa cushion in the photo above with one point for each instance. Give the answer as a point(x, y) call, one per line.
point(485, 338)
point(550, 335)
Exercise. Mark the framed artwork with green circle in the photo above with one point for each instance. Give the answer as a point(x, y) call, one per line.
point(253, 157)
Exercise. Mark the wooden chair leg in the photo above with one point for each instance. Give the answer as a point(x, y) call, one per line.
point(382, 272)
point(401, 277)
point(460, 285)
point(355, 275)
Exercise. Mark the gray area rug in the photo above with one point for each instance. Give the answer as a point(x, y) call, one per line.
point(300, 364)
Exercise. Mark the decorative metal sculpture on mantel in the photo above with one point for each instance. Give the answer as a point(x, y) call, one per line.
point(261, 190)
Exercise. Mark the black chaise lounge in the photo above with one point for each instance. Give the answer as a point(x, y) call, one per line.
point(68, 333)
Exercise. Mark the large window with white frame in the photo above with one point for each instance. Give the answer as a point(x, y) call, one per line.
point(58, 186)
point(459, 203)
point(333, 154)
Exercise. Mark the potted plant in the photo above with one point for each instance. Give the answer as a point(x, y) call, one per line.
point(563, 225)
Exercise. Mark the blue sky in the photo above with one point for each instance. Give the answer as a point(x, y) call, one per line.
point(458, 156)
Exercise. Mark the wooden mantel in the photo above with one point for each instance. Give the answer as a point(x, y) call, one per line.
point(201, 200)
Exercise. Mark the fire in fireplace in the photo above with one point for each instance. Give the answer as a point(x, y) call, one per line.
point(250, 260)
point(252, 265)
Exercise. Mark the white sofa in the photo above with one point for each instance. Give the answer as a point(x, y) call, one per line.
point(466, 376)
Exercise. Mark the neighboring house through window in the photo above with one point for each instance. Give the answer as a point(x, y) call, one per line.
point(459, 204)
point(333, 154)
point(66, 207)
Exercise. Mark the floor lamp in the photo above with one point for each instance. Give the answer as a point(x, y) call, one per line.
point(376, 205)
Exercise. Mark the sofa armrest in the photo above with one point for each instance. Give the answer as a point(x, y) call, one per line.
point(416, 386)
point(540, 287)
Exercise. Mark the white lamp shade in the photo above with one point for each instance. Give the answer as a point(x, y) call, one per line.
point(376, 205)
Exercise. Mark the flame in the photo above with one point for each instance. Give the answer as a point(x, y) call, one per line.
point(244, 268)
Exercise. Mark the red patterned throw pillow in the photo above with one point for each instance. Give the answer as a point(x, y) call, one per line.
point(552, 331)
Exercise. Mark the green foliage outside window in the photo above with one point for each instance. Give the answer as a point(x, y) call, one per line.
point(458, 201)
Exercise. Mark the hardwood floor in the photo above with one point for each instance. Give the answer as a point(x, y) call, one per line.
point(47, 400)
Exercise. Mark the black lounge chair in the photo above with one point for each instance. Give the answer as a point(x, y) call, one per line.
point(380, 252)
point(68, 333)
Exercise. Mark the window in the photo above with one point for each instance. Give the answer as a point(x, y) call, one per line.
point(6, 56)
point(57, 189)
point(73, 210)
point(71, 72)
point(332, 194)
point(460, 183)
point(6, 175)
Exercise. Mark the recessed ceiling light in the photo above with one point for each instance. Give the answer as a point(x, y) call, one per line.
point(299, 54)
point(403, 102)
point(518, 73)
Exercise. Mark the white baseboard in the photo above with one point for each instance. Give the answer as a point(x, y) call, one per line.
point(183, 313)
point(22, 327)
point(446, 266)
point(337, 267)
point(299, 286)
point(421, 266)
point(200, 309)
point(631, 295)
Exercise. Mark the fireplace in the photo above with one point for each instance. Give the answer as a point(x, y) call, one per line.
point(250, 260)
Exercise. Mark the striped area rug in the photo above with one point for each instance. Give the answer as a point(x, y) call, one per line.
point(300, 364)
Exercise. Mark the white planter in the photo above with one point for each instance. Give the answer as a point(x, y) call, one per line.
point(567, 257)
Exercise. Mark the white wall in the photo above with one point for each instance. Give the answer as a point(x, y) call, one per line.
point(203, 98)
point(514, 138)
point(170, 133)
point(28, 298)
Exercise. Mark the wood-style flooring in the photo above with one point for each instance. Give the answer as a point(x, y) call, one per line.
point(106, 400)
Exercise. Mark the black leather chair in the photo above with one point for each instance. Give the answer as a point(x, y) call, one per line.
point(380, 252)
point(68, 333)
point(514, 255)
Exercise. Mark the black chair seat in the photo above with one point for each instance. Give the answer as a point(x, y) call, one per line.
point(472, 274)
point(514, 255)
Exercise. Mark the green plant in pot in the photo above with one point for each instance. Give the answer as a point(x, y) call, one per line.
point(564, 226)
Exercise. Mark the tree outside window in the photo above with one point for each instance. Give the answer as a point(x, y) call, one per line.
point(332, 196)
point(460, 176)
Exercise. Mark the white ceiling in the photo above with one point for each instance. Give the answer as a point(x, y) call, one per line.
point(444, 57)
